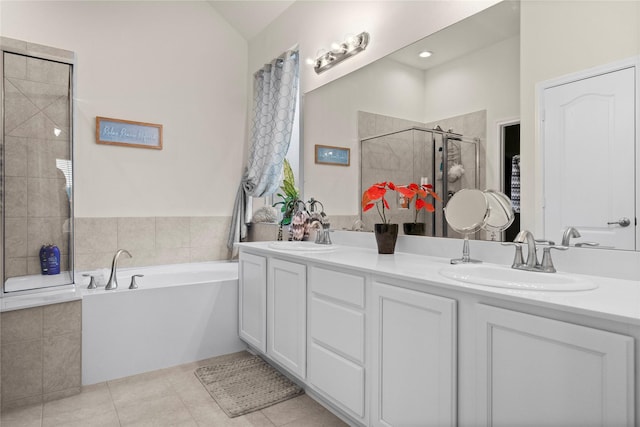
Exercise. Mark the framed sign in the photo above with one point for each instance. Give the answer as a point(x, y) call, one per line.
point(128, 134)
point(328, 155)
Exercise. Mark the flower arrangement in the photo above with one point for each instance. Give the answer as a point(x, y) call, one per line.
point(420, 193)
point(374, 196)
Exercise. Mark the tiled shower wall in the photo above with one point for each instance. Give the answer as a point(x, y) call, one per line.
point(37, 149)
point(151, 240)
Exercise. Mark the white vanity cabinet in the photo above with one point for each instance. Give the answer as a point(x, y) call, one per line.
point(252, 300)
point(337, 338)
point(551, 373)
point(287, 315)
point(272, 309)
point(414, 357)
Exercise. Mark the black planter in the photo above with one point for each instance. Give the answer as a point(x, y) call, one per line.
point(386, 236)
point(414, 228)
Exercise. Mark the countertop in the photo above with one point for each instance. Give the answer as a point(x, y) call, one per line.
point(614, 299)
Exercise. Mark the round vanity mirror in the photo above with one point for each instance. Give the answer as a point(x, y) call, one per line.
point(501, 214)
point(467, 212)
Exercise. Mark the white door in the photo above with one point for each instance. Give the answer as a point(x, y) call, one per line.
point(287, 315)
point(252, 298)
point(414, 360)
point(589, 159)
point(542, 372)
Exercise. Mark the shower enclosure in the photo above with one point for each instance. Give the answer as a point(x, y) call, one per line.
point(36, 169)
point(446, 160)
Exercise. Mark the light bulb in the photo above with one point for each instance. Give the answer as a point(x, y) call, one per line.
point(425, 54)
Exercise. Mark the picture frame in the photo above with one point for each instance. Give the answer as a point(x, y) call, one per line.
point(127, 133)
point(330, 155)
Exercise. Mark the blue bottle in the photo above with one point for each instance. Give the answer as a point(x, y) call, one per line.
point(53, 260)
point(43, 260)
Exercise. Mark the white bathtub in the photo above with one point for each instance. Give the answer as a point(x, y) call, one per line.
point(179, 314)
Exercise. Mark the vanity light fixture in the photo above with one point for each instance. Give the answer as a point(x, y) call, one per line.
point(341, 51)
point(425, 54)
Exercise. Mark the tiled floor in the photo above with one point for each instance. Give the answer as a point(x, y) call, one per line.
point(169, 397)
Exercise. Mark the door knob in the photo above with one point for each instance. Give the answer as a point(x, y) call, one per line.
point(622, 222)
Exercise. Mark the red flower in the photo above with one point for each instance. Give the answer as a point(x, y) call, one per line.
point(374, 196)
point(420, 192)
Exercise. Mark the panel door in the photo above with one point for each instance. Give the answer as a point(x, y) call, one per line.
point(589, 158)
point(543, 372)
point(252, 300)
point(287, 315)
point(414, 361)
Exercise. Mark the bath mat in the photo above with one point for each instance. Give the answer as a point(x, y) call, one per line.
point(246, 385)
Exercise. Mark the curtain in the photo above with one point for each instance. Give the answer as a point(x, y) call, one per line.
point(275, 92)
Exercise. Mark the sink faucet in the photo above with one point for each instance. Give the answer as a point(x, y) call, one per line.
point(569, 232)
point(532, 264)
point(113, 280)
point(525, 236)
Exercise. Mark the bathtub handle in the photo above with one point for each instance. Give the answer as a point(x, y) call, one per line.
point(133, 284)
point(92, 281)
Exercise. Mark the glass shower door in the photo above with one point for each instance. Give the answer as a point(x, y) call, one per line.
point(37, 172)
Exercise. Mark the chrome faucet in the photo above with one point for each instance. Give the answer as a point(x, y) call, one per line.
point(569, 232)
point(532, 264)
point(113, 280)
point(525, 236)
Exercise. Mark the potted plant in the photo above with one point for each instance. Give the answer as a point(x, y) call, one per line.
point(386, 233)
point(290, 197)
point(420, 193)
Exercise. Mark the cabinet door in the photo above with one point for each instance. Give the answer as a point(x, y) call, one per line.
point(286, 315)
point(252, 293)
point(544, 372)
point(414, 361)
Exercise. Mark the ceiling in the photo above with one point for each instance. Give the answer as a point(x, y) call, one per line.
point(250, 17)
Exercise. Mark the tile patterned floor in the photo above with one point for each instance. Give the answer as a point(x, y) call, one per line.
point(169, 397)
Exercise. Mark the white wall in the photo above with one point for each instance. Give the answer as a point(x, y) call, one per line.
point(488, 79)
point(175, 63)
point(314, 25)
point(559, 38)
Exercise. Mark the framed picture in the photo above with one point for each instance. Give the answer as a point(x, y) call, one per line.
point(328, 155)
point(126, 133)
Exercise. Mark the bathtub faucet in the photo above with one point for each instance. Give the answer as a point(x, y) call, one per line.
point(113, 280)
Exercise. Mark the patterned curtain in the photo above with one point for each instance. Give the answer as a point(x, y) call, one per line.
point(275, 90)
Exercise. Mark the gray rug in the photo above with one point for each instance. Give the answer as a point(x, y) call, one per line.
point(246, 385)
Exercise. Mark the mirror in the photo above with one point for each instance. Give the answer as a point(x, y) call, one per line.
point(501, 214)
point(467, 212)
point(528, 42)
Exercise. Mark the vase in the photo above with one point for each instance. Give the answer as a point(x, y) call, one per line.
point(414, 228)
point(386, 236)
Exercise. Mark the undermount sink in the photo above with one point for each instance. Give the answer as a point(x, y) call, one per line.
point(301, 246)
point(506, 277)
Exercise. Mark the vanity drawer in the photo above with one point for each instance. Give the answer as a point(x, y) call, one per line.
point(345, 287)
point(338, 327)
point(340, 379)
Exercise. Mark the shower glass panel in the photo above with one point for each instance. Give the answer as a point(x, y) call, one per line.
point(447, 161)
point(37, 172)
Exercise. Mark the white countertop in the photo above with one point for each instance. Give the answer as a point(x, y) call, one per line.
point(614, 299)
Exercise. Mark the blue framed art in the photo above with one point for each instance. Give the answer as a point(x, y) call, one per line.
point(328, 155)
point(126, 133)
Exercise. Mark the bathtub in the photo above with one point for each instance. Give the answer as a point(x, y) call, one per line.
point(179, 314)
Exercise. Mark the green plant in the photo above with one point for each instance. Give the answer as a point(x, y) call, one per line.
point(291, 196)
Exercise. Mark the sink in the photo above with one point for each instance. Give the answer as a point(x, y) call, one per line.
point(506, 277)
point(301, 247)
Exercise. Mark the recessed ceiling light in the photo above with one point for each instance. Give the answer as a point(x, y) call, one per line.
point(425, 54)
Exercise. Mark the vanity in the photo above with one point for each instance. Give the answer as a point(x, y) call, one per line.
point(389, 340)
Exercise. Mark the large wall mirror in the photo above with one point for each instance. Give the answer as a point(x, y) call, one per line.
point(480, 82)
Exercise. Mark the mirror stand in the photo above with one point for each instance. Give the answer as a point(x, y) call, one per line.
point(466, 258)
